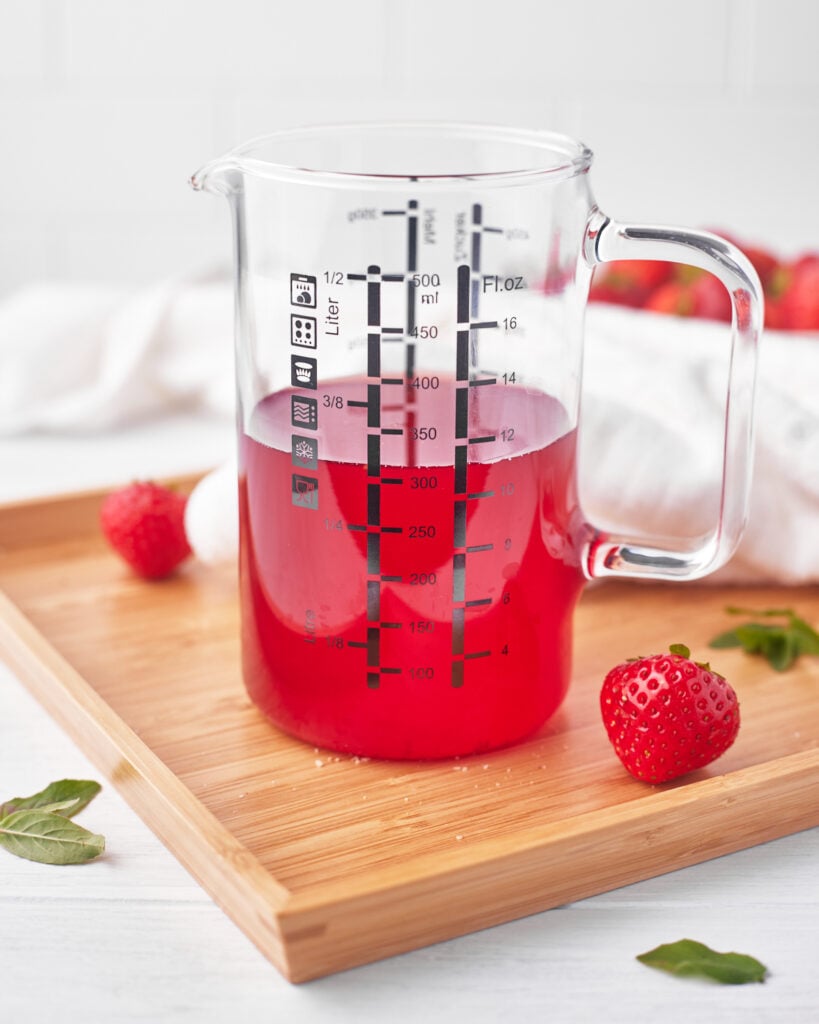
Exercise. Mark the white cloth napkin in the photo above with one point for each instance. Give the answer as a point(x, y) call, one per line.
point(81, 359)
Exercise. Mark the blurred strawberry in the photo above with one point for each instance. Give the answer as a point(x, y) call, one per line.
point(711, 299)
point(628, 282)
point(774, 316)
point(145, 524)
point(800, 298)
point(763, 262)
point(673, 297)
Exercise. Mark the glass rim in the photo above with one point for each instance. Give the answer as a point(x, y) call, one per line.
point(564, 156)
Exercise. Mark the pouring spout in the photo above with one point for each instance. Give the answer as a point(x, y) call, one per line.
point(221, 177)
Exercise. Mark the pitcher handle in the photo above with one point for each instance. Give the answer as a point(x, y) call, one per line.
point(616, 555)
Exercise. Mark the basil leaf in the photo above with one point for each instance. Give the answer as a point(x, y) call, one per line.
point(48, 838)
point(780, 643)
point(66, 797)
point(689, 958)
point(728, 639)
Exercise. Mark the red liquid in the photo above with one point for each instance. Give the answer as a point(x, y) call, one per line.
point(479, 641)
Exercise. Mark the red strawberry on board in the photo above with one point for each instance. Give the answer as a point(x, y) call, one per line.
point(145, 524)
point(667, 715)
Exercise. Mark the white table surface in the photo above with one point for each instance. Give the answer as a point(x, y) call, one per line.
point(133, 938)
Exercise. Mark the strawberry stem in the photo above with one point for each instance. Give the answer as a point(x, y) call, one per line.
point(681, 649)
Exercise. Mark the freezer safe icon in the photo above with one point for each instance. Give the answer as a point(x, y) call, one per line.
point(303, 372)
point(305, 491)
point(302, 330)
point(304, 451)
point(303, 412)
point(303, 290)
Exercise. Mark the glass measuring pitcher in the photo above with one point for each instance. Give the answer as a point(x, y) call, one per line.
point(409, 313)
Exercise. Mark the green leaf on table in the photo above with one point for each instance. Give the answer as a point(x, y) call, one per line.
point(48, 837)
point(781, 643)
point(688, 958)
point(66, 797)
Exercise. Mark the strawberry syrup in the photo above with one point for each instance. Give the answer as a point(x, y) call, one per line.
point(423, 636)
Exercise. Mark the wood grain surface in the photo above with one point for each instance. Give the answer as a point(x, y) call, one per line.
point(327, 861)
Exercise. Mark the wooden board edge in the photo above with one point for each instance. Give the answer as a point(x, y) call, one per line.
point(547, 871)
point(52, 519)
point(232, 876)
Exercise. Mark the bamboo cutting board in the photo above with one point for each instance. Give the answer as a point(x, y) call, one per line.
point(327, 861)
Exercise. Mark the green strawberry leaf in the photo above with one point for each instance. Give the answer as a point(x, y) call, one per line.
point(66, 797)
point(688, 958)
point(780, 643)
point(48, 837)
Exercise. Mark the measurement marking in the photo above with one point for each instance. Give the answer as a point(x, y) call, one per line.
point(393, 529)
point(373, 554)
point(373, 405)
point(373, 600)
point(357, 527)
point(391, 480)
point(460, 469)
point(373, 355)
point(495, 231)
point(412, 237)
point(394, 213)
point(373, 646)
point(457, 674)
point(477, 654)
point(477, 214)
point(457, 631)
point(462, 412)
point(393, 277)
point(392, 430)
point(393, 380)
point(458, 577)
point(484, 323)
point(390, 671)
point(480, 494)
point(462, 356)
point(410, 364)
point(478, 602)
point(373, 507)
point(392, 625)
point(483, 382)
point(463, 294)
point(482, 440)
point(373, 298)
point(459, 533)
point(357, 405)
point(479, 547)
point(374, 455)
point(394, 330)
point(391, 579)
point(356, 643)
point(356, 277)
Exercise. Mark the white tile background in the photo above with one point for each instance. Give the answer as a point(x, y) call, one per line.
point(701, 113)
